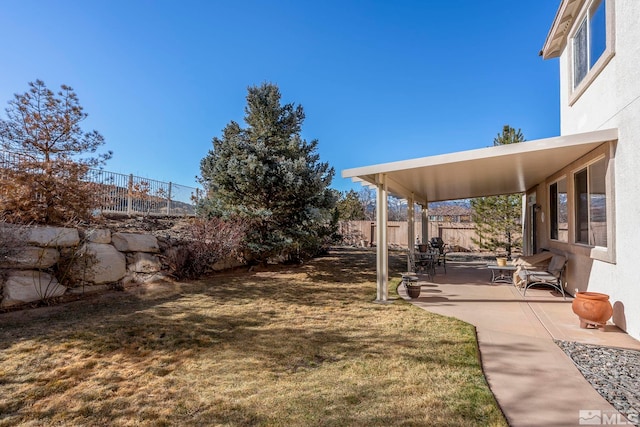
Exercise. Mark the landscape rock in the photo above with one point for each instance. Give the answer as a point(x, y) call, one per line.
point(24, 286)
point(129, 242)
point(52, 236)
point(142, 262)
point(98, 236)
point(99, 263)
point(30, 257)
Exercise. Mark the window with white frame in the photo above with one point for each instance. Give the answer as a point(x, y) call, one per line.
point(558, 211)
point(591, 204)
point(590, 41)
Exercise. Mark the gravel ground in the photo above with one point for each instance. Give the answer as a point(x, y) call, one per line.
point(613, 372)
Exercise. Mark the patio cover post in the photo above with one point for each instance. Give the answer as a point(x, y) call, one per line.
point(411, 229)
point(425, 223)
point(382, 251)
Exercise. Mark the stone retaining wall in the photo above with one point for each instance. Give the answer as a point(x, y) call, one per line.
point(32, 258)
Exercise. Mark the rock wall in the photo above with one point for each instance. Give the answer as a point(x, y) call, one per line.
point(32, 258)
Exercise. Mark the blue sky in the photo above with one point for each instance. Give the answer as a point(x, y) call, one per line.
point(379, 80)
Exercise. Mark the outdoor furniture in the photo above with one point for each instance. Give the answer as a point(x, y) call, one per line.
point(539, 261)
point(552, 276)
point(424, 262)
point(440, 247)
point(501, 273)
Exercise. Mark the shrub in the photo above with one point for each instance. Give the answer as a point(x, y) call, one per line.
point(210, 240)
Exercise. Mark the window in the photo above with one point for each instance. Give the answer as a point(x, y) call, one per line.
point(590, 200)
point(590, 41)
point(558, 210)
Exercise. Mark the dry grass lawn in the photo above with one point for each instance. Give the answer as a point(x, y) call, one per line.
point(286, 346)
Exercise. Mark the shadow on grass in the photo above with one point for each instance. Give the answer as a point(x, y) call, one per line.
point(170, 316)
point(278, 323)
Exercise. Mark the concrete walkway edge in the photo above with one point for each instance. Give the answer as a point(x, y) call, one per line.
point(533, 380)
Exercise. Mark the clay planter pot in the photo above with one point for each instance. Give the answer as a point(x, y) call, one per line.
point(423, 247)
point(501, 261)
point(413, 291)
point(592, 308)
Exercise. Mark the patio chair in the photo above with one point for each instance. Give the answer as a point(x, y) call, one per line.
point(552, 276)
point(424, 262)
point(440, 248)
point(539, 261)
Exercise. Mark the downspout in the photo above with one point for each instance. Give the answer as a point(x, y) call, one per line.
point(526, 244)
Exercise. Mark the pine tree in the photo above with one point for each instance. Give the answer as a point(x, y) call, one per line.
point(47, 184)
point(349, 207)
point(497, 217)
point(268, 174)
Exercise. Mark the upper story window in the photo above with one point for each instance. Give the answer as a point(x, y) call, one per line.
point(589, 41)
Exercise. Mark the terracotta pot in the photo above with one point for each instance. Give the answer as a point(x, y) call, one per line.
point(423, 247)
point(501, 261)
point(592, 307)
point(413, 291)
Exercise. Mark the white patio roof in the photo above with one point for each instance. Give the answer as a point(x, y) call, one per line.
point(505, 169)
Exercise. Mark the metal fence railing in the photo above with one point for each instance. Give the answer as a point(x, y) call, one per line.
point(132, 195)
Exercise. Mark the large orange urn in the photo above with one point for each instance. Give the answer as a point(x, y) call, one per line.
point(593, 308)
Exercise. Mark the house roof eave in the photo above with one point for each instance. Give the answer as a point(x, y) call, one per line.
point(562, 23)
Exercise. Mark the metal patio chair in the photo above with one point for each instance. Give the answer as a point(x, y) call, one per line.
point(552, 276)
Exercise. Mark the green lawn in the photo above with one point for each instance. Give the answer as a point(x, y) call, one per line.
point(283, 346)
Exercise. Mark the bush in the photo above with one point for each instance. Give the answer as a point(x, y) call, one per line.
point(55, 192)
point(210, 240)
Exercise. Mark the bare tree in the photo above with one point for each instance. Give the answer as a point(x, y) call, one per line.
point(367, 197)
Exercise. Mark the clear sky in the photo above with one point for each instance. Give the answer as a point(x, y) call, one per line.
point(379, 80)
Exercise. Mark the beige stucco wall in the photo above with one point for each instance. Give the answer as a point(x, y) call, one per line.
point(580, 264)
point(612, 100)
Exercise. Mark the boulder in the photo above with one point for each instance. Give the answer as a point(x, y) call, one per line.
point(52, 236)
point(30, 257)
point(23, 286)
point(130, 242)
point(102, 235)
point(142, 262)
point(99, 263)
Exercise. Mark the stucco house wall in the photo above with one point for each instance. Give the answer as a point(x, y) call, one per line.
point(611, 100)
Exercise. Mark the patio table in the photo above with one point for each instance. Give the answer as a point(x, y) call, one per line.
point(501, 273)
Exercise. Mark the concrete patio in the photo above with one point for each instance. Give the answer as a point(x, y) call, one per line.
point(534, 381)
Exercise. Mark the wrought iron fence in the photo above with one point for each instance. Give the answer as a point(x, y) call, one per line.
point(132, 195)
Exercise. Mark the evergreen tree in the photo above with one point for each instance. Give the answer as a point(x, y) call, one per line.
point(46, 185)
point(509, 136)
point(497, 218)
point(350, 207)
point(268, 174)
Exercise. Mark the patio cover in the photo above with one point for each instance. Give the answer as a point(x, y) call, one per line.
point(505, 169)
point(490, 171)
